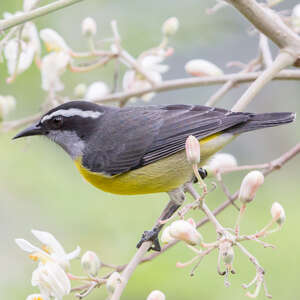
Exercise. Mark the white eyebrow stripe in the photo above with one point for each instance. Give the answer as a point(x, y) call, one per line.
point(73, 112)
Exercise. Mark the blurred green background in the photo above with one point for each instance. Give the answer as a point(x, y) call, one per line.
point(40, 188)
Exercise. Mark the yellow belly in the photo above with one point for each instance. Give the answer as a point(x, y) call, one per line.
point(161, 176)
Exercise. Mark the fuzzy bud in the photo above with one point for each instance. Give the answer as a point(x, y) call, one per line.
point(90, 263)
point(7, 104)
point(80, 90)
point(192, 148)
point(96, 91)
point(251, 182)
point(201, 67)
point(156, 295)
point(113, 281)
point(88, 27)
point(166, 238)
point(277, 213)
point(170, 26)
point(220, 162)
point(184, 231)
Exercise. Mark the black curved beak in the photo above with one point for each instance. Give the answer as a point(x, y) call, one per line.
point(34, 129)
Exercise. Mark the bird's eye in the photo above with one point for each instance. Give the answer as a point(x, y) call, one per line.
point(57, 122)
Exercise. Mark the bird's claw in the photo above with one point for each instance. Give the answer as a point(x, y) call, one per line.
point(150, 235)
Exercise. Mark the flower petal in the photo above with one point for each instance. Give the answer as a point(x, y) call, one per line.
point(26, 246)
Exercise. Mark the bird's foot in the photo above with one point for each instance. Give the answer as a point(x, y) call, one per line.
point(150, 235)
point(203, 175)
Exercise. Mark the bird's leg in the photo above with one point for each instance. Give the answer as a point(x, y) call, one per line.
point(203, 175)
point(177, 197)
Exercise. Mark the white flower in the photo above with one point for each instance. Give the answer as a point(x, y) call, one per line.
point(192, 148)
point(220, 162)
point(227, 253)
point(29, 47)
point(113, 281)
point(170, 26)
point(52, 250)
point(52, 280)
point(52, 67)
point(53, 41)
point(156, 295)
point(29, 4)
point(166, 237)
point(90, 263)
point(96, 91)
point(7, 104)
point(80, 90)
point(201, 67)
point(251, 182)
point(151, 64)
point(88, 27)
point(184, 231)
point(277, 213)
point(36, 297)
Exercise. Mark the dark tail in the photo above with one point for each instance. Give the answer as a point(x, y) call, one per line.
point(257, 121)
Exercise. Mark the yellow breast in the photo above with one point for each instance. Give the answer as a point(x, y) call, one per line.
point(161, 176)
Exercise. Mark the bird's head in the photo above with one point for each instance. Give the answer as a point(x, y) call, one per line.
point(70, 125)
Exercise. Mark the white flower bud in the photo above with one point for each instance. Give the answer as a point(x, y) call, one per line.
point(90, 263)
point(277, 213)
point(35, 297)
point(96, 91)
point(251, 182)
point(80, 90)
point(201, 67)
point(184, 231)
point(88, 27)
point(7, 104)
point(29, 4)
point(156, 295)
point(220, 162)
point(166, 237)
point(192, 148)
point(170, 26)
point(296, 17)
point(113, 281)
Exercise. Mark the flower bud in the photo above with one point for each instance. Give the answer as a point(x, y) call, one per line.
point(88, 27)
point(227, 253)
point(96, 90)
point(201, 67)
point(192, 148)
point(166, 237)
point(220, 162)
point(170, 26)
point(35, 297)
point(80, 90)
point(184, 231)
point(249, 186)
point(277, 213)
point(156, 295)
point(7, 104)
point(113, 281)
point(90, 263)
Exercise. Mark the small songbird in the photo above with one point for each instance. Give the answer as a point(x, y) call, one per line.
point(141, 150)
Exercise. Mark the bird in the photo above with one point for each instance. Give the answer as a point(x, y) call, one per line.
point(141, 150)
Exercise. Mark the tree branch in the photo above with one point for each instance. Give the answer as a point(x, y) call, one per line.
point(38, 12)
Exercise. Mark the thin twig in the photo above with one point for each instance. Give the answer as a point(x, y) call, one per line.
point(38, 12)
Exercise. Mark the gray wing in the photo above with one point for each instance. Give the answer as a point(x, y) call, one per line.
point(139, 136)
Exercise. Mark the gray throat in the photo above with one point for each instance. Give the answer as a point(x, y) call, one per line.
point(69, 141)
